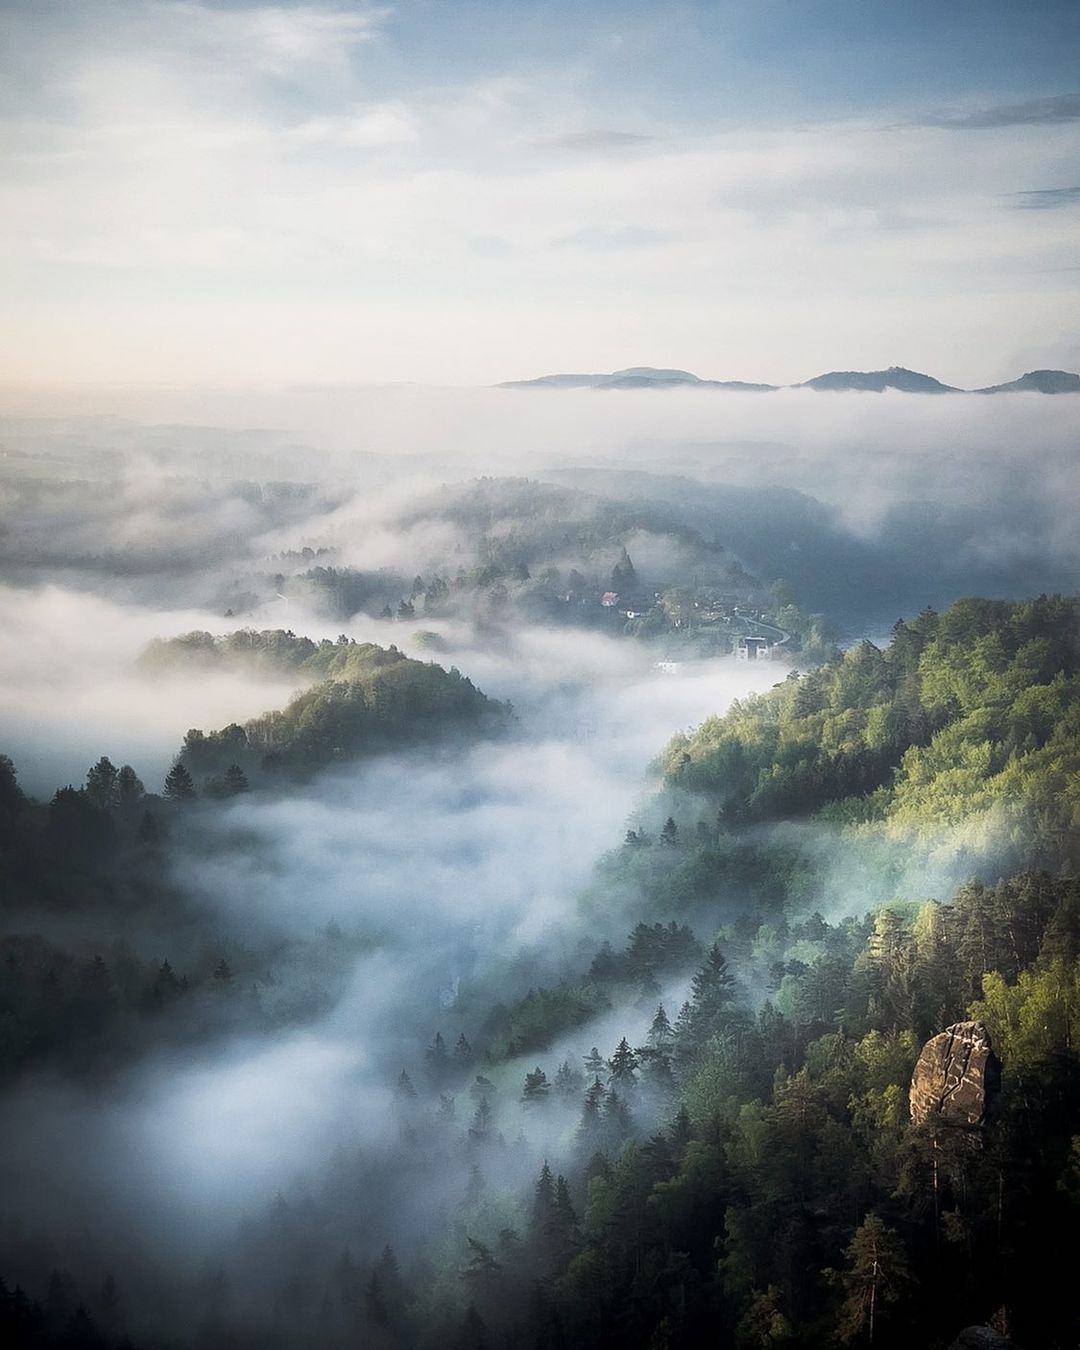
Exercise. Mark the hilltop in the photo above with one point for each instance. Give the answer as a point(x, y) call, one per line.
point(866, 381)
point(370, 700)
point(1038, 382)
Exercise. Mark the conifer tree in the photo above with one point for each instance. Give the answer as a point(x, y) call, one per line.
point(875, 1275)
point(568, 1081)
point(480, 1129)
point(438, 1059)
point(235, 781)
point(623, 1067)
point(618, 1124)
point(590, 1130)
point(712, 993)
point(661, 1034)
point(129, 787)
point(102, 786)
point(179, 786)
point(536, 1089)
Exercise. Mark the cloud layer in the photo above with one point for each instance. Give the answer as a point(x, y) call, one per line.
point(199, 192)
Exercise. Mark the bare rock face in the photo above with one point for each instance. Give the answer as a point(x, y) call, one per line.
point(956, 1079)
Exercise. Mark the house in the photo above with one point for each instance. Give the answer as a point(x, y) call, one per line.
point(609, 599)
point(669, 667)
point(752, 648)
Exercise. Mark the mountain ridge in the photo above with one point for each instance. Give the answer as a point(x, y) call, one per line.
point(898, 378)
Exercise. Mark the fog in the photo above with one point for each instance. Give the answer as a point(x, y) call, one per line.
point(931, 495)
point(70, 688)
point(426, 889)
point(463, 870)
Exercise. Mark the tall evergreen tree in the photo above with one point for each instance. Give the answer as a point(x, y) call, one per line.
point(875, 1275)
point(437, 1058)
point(102, 785)
point(623, 1068)
point(129, 787)
point(235, 781)
point(661, 1033)
point(179, 786)
point(537, 1089)
point(568, 1082)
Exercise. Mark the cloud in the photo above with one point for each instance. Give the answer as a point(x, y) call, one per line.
point(602, 239)
point(596, 139)
point(269, 193)
point(1036, 112)
point(1046, 199)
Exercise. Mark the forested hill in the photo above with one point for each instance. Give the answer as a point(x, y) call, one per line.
point(375, 699)
point(964, 711)
point(271, 651)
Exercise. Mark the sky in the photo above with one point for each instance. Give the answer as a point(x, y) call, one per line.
point(203, 192)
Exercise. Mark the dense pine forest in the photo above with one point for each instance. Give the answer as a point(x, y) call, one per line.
point(734, 1160)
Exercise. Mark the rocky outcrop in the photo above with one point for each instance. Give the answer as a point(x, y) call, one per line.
point(956, 1079)
point(980, 1338)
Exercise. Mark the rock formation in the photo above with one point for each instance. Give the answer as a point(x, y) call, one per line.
point(980, 1338)
point(956, 1079)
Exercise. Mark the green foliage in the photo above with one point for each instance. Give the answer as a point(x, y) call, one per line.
point(375, 698)
point(971, 710)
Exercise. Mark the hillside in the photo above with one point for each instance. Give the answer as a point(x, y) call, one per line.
point(973, 709)
point(501, 551)
point(749, 1165)
point(877, 381)
point(375, 699)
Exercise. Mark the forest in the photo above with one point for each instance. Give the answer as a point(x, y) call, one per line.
point(696, 1133)
point(496, 855)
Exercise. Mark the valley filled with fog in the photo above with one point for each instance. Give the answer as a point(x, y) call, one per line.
point(385, 758)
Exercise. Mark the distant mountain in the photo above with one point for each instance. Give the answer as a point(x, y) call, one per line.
point(557, 382)
point(866, 381)
point(877, 381)
point(1038, 382)
point(635, 377)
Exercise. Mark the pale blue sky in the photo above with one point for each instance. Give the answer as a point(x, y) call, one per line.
point(195, 190)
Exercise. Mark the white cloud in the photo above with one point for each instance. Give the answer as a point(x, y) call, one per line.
point(203, 167)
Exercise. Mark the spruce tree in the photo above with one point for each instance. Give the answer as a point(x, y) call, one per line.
point(590, 1130)
point(179, 786)
point(102, 786)
point(712, 994)
point(623, 1066)
point(438, 1059)
point(235, 781)
point(568, 1081)
point(480, 1129)
point(617, 1122)
point(536, 1089)
point(661, 1034)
